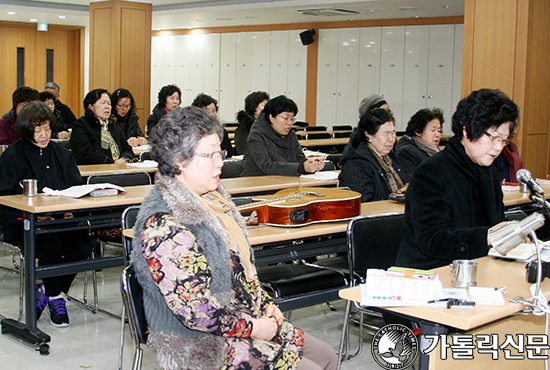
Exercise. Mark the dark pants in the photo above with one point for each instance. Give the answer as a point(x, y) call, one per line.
point(52, 249)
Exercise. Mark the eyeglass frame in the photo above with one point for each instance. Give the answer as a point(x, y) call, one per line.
point(293, 119)
point(499, 140)
point(129, 106)
point(222, 153)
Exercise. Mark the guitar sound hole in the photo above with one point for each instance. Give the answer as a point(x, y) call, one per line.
point(299, 215)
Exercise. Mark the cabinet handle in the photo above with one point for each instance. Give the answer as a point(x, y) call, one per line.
point(431, 96)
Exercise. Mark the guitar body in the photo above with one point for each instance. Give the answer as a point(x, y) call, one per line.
point(303, 206)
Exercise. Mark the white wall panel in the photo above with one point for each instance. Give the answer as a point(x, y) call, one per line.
point(391, 70)
point(369, 65)
point(212, 65)
point(327, 77)
point(415, 74)
point(228, 54)
point(278, 64)
point(348, 70)
point(297, 72)
point(457, 75)
point(183, 67)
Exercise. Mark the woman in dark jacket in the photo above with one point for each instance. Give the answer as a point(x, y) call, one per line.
point(96, 138)
point(272, 147)
point(369, 166)
point(455, 196)
point(169, 98)
point(35, 156)
point(126, 117)
point(253, 105)
point(421, 139)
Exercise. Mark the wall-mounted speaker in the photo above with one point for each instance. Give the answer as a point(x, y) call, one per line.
point(307, 37)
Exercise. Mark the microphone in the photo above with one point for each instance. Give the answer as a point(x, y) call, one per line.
point(524, 176)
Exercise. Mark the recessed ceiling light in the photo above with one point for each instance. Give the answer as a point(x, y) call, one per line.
point(198, 20)
point(34, 20)
point(61, 16)
point(447, 6)
point(249, 17)
point(224, 19)
point(407, 8)
point(188, 28)
point(11, 13)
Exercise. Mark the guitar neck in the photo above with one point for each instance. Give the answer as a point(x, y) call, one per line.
point(254, 205)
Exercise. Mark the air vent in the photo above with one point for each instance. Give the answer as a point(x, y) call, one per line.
point(327, 12)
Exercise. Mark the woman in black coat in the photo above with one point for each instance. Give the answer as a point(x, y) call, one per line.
point(126, 117)
point(169, 98)
point(35, 156)
point(369, 165)
point(96, 138)
point(254, 103)
point(455, 196)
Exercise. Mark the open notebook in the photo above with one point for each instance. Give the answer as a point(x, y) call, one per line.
point(383, 290)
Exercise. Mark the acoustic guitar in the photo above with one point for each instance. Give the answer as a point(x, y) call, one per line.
point(303, 206)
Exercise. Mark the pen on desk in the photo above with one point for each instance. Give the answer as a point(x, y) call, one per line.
point(439, 300)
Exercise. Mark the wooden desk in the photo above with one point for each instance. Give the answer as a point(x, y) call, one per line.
point(270, 183)
point(230, 129)
point(324, 142)
point(90, 169)
point(491, 272)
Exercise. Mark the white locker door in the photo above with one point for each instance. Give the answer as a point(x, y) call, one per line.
point(440, 68)
point(196, 66)
point(278, 63)
point(261, 42)
point(369, 65)
point(169, 60)
point(228, 50)
point(156, 69)
point(348, 70)
point(212, 65)
point(457, 76)
point(297, 72)
point(391, 71)
point(245, 59)
point(182, 50)
point(327, 77)
point(415, 79)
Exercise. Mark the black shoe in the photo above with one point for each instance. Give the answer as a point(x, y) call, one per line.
point(58, 312)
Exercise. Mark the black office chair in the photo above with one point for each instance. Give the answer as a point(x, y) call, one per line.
point(65, 143)
point(128, 220)
point(373, 242)
point(231, 169)
point(329, 166)
point(301, 124)
point(132, 296)
point(342, 128)
point(296, 285)
point(316, 128)
point(17, 262)
point(318, 135)
point(123, 179)
point(334, 158)
point(299, 136)
point(341, 134)
point(145, 156)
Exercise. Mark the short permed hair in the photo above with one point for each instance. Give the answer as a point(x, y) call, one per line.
point(176, 136)
point(33, 115)
point(372, 120)
point(23, 94)
point(254, 99)
point(122, 93)
point(419, 120)
point(278, 105)
point(481, 110)
point(167, 91)
point(202, 101)
point(51, 85)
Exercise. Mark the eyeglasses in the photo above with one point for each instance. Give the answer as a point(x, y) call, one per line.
point(287, 118)
point(214, 156)
point(497, 139)
point(124, 106)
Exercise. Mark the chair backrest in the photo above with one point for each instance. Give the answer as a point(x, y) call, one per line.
point(316, 128)
point(145, 156)
point(342, 127)
point(128, 220)
point(334, 158)
point(318, 135)
point(121, 179)
point(373, 242)
point(329, 166)
point(301, 124)
point(299, 136)
point(342, 134)
point(132, 296)
point(231, 169)
point(65, 143)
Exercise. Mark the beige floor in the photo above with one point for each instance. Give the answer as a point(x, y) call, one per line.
point(92, 340)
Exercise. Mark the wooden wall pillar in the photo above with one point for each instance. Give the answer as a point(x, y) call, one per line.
point(120, 50)
point(506, 44)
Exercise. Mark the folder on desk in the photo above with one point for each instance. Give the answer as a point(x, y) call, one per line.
point(384, 290)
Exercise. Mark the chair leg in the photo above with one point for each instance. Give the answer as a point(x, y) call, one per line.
point(21, 285)
point(122, 324)
point(138, 358)
point(345, 339)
